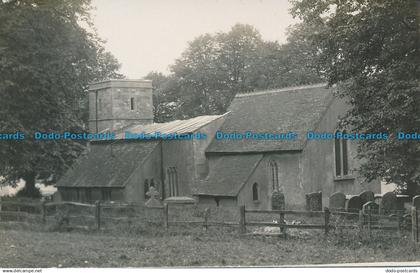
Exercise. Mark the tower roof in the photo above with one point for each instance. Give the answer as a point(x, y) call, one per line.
point(120, 83)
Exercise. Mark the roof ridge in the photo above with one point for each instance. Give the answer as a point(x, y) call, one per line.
point(289, 88)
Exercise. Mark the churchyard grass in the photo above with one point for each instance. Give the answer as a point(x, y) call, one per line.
point(31, 248)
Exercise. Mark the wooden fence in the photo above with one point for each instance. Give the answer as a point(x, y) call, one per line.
point(98, 216)
point(281, 223)
point(367, 220)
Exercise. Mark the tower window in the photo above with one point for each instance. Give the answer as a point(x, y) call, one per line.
point(132, 103)
point(341, 156)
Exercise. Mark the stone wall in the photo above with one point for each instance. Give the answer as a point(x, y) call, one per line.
point(317, 160)
point(149, 169)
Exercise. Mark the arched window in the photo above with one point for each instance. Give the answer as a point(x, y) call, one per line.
point(341, 155)
point(172, 176)
point(255, 192)
point(131, 103)
point(274, 175)
point(146, 188)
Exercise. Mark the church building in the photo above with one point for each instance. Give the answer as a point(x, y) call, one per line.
point(239, 158)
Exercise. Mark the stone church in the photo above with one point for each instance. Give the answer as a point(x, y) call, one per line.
point(214, 171)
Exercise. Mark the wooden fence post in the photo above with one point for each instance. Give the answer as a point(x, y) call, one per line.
point(98, 215)
point(43, 212)
point(415, 224)
point(242, 228)
point(327, 219)
point(398, 223)
point(369, 220)
point(361, 220)
point(282, 221)
point(19, 218)
point(166, 216)
point(206, 216)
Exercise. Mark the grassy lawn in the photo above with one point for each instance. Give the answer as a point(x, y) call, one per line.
point(23, 248)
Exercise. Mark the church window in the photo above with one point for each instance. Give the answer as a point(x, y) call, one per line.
point(341, 156)
point(132, 103)
point(274, 175)
point(77, 199)
point(172, 177)
point(255, 192)
point(89, 195)
point(106, 194)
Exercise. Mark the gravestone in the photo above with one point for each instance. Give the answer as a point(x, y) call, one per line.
point(338, 201)
point(402, 201)
point(153, 201)
point(372, 206)
point(367, 196)
point(416, 202)
point(389, 203)
point(277, 201)
point(354, 204)
point(314, 201)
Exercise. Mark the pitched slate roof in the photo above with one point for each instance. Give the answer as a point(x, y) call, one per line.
point(177, 126)
point(296, 109)
point(229, 174)
point(107, 165)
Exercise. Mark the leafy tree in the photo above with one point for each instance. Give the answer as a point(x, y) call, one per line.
point(215, 67)
point(47, 60)
point(371, 49)
point(165, 100)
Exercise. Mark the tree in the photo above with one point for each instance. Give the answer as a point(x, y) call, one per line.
point(165, 100)
point(47, 60)
point(371, 49)
point(215, 67)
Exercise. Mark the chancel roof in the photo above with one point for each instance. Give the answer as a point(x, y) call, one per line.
point(177, 126)
point(295, 109)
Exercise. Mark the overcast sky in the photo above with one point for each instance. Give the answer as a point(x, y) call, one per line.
point(148, 35)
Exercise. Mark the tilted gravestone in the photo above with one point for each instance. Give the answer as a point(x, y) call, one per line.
point(367, 196)
point(354, 204)
point(370, 206)
point(314, 201)
point(338, 201)
point(416, 202)
point(389, 203)
point(277, 201)
point(153, 201)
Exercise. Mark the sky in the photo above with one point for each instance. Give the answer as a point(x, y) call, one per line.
point(148, 35)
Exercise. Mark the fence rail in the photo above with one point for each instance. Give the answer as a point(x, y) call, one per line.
point(367, 220)
point(96, 216)
point(99, 216)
